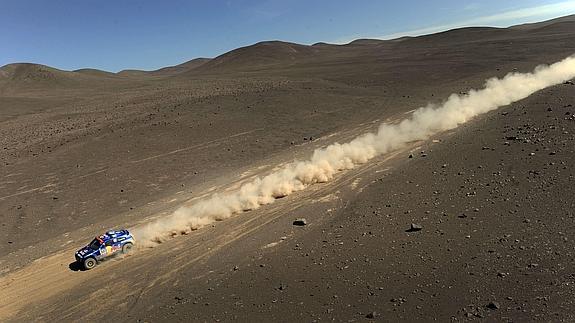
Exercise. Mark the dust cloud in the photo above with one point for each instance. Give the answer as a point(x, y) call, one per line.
point(326, 162)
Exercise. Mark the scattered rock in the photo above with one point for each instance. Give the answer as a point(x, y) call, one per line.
point(398, 300)
point(493, 305)
point(300, 222)
point(415, 227)
point(371, 315)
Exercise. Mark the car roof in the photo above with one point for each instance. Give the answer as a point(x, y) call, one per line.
point(111, 234)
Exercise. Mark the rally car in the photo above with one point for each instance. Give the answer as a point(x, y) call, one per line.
point(104, 246)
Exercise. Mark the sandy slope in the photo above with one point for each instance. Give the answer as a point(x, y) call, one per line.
point(495, 229)
point(496, 223)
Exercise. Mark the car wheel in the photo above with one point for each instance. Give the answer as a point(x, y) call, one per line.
point(127, 247)
point(89, 263)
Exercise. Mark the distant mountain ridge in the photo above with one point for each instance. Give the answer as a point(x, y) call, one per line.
point(278, 54)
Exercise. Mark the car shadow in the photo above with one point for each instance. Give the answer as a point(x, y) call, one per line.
point(76, 266)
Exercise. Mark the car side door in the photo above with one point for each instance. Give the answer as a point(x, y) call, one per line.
point(108, 249)
point(102, 252)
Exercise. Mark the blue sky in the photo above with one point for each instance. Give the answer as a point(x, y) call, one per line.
point(118, 34)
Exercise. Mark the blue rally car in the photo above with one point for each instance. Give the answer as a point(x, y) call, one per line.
point(104, 246)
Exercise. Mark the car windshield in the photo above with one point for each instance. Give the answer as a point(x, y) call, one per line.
point(95, 244)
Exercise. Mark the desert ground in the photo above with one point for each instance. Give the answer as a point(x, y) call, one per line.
point(84, 151)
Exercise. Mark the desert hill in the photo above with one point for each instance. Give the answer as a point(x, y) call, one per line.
point(20, 77)
point(95, 72)
point(28, 72)
point(166, 71)
point(289, 58)
point(536, 25)
point(262, 54)
point(184, 67)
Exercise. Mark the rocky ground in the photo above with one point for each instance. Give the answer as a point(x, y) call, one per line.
point(492, 213)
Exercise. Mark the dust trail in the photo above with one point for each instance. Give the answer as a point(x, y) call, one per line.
point(326, 162)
